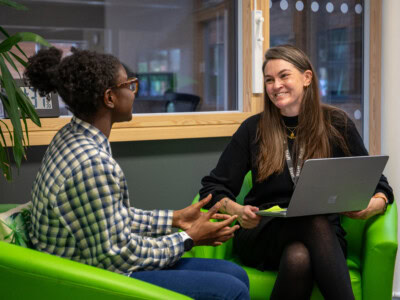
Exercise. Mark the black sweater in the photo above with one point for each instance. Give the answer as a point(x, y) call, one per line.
point(239, 157)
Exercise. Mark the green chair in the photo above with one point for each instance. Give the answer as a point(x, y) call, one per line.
point(30, 274)
point(372, 247)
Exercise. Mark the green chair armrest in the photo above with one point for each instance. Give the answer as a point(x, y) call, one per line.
point(379, 255)
point(30, 274)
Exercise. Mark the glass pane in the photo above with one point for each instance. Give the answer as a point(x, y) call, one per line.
point(331, 33)
point(182, 51)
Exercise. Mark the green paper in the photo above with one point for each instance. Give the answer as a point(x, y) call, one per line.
point(275, 208)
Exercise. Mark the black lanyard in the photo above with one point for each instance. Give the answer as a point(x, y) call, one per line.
point(289, 161)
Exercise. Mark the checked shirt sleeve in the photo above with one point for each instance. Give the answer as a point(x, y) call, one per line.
point(151, 222)
point(94, 206)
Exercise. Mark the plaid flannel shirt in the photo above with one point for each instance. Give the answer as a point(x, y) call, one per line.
point(81, 208)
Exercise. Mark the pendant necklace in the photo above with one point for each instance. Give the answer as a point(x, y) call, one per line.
point(292, 130)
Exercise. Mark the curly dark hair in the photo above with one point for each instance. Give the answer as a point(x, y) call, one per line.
point(80, 79)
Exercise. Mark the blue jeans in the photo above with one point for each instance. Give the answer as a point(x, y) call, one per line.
point(201, 278)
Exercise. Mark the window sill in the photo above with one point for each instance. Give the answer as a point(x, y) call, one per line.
point(149, 127)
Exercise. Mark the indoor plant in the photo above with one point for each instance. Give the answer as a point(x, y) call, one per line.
point(15, 103)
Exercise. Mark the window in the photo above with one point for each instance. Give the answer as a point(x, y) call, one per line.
point(91, 27)
point(331, 33)
point(297, 20)
point(182, 51)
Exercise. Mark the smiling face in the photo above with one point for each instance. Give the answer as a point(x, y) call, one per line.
point(285, 85)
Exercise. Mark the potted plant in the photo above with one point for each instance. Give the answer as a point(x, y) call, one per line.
point(15, 103)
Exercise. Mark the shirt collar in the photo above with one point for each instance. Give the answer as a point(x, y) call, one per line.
point(92, 132)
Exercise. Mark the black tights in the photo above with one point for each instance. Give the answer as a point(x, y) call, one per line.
point(311, 251)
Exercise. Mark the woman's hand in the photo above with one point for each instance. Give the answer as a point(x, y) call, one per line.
point(247, 217)
point(246, 213)
point(198, 226)
point(376, 206)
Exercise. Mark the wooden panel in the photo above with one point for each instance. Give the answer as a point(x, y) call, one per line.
point(265, 9)
point(148, 133)
point(247, 55)
point(253, 103)
point(375, 52)
point(257, 104)
point(150, 127)
point(166, 133)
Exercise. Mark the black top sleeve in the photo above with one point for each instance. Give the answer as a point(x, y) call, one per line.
point(227, 177)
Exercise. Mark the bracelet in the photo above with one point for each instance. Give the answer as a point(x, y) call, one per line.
point(386, 204)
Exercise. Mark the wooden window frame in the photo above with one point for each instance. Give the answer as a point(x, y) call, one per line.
point(375, 77)
point(222, 124)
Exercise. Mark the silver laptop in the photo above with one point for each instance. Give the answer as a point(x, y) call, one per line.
point(333, 185)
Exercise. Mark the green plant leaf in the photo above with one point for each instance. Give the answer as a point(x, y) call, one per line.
point(5, 156)
point(17, 240)
point(18, 149)
point(18, 47)
point(13, 112)
point(11, 62)
point(10, 106)
point(7, 44)
point(9, 86)
point(18, 227)
point(23, 117)
point(9, 222)
point(3, 31)
point(2, 134)
point(6, 104)
point(27, 107)
point(16, 104)
point(13, 4)
point(20, 60)
point(8, 235)
point(19, 222)
point(4, 161)
point(5, 101)
point(8, 129)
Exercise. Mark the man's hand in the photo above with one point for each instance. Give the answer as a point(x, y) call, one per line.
point(376, 206)
point(204, 232)
point(184, 218)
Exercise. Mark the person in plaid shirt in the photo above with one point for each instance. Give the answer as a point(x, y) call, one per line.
point(81, 209)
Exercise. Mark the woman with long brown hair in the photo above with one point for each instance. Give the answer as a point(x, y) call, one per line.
point(294, 126)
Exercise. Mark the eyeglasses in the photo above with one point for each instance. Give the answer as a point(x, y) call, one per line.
point(131, 83)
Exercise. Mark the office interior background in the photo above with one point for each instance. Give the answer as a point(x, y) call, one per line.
point(188, 56)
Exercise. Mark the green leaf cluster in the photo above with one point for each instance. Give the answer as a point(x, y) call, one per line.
point(15, 103)
point(19, 225)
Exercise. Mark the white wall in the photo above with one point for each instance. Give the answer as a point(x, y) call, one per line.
point(391, 103)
